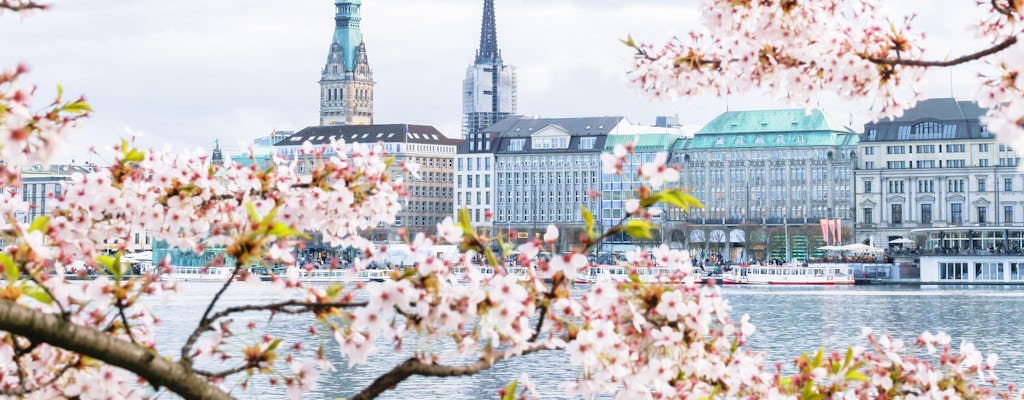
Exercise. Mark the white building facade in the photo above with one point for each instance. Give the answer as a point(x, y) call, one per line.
point(936, 166)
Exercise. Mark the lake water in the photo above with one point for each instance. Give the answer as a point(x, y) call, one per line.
point(789, 320)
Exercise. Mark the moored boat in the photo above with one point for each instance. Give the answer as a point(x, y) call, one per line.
point(820, 274)
point(199, 274)
point(617, 273)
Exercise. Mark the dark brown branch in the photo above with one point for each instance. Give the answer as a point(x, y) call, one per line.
point(1010, 41)
point(124, 320)
point(286, 307)
point(204, 322)
point(144, 362)
point(228, 372)
point(31, 5)
point(415, 366)
point(540, 322)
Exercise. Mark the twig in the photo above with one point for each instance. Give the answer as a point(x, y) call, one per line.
point(1010, 41)
point(414, 366)
point(204, 322)
point(31, 5)
point(286, 307)
point(227, 372)
point(22, 391)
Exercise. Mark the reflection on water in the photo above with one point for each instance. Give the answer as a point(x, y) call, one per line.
point(789, 320)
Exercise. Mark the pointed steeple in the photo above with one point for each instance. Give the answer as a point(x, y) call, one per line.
point(217, 157)
point(488, 52)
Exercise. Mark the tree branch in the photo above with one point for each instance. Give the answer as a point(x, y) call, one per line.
point(55, 331)
point(204, 322)
point(414, 366)
point(227, 372)
point(1010, 41)
point(22, 391)
point(287, 307)
point(17, 6)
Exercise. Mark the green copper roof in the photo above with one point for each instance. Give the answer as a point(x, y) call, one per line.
point(771, 128)
point(650, 142)
point(347, 34)
point(771, 121)
point(779, 139)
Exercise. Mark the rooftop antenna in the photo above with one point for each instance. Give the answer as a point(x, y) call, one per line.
point(951, 83)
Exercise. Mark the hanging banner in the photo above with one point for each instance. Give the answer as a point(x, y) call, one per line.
point(824, 229)
point(839, 231)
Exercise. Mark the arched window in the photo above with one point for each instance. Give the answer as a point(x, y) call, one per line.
point(927, 128)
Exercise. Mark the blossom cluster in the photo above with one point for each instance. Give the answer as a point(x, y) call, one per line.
point(30, 137)
point(799, 49)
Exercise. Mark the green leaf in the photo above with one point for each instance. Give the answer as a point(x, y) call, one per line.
point(651, 200)
point(273, 345)
point(640, 229)
point(510, 391)
point(680, 198)
point(281, 230)
point(464, 220)
point(628, 41)
point(77, 107)
point(41, 224)
point(849, 356)
point(37, 293)
point(818, 357)
point(855, 375)
point(588, 218)
point(10, 268)
point(253, 217)
point(333, 290)
point(60, 93)
point(112, 265)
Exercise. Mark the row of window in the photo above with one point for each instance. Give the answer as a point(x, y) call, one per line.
point(956, 216)
point(481, 163)
point(486, 181)
point(928, 185)
point(485, 200)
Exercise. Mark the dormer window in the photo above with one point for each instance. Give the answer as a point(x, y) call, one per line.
point(800, 139)
point(719, 140)
point(779, 140)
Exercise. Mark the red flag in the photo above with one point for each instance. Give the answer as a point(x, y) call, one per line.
point(824, 229)
point(839, 231)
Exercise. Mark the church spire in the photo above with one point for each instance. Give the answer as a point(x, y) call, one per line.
point(488, 52)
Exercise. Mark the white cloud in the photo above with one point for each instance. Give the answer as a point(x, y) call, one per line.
point(190, 71)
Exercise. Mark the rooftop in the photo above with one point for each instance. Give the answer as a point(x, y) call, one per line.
point(391, 133)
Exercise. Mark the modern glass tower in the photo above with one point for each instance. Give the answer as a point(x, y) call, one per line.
point(489, 90)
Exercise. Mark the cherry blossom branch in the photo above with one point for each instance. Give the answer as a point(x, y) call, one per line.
point(22, 391)
point(204, 322)
point(124, 320)
point(414, 366)
point(1010, 41)
point(56, 331)
point(285, 307)
point(228, 372)
point(19, 5)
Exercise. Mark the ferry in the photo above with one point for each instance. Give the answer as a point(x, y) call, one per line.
point(486, 271)
point(969, 255)
point(814, 274)
point(337, 275)
point(199, 274)
point(618, 273)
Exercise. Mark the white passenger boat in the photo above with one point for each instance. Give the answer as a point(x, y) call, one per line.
point(199, 274)
point(486, 271)
point(344, 275)
point(617, 273)
point(819, 274)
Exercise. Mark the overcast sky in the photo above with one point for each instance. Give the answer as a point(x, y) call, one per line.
point(187, 72)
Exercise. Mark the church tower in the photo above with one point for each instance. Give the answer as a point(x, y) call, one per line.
point(489, 90)
point(346, 84)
